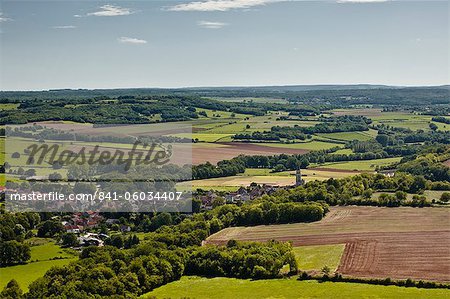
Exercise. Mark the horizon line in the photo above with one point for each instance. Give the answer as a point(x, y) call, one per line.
point(226, 86)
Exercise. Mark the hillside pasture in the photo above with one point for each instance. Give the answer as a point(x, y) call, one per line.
point(398, 243)
point(43, 256)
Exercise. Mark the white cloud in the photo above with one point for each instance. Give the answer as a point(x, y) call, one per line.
point(361, 1)
point(131, 40)
point(111, 11)
point(4, 19)
point(211, 25)
point(78, 16)
point(219, 5)
point(64, 27)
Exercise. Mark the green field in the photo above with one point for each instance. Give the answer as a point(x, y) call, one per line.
point(8, 106)
point(205, 137)
point(247, 99)
point(349, 136)
point(344, 151)
point(407, 120)
point(312, 145)
point(317, 256)
point(26, 274)
point(232, 288)
point(364, 165)
point(43, 256)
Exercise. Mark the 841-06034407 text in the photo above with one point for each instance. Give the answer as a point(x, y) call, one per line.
point(98, 195)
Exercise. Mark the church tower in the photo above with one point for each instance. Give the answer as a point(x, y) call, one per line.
point(298, 177)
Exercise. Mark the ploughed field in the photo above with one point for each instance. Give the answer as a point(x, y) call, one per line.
point(398, 243)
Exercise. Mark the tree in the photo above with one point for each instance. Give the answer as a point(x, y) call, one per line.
point(419, 183)
point(15, 155)
point(131, 241)
point(49, 229)
point(218, 201)
point(116, 241)
point(160, 220)
point(69, 240)
point(13, 252)
point(326, 270)
point(367, 194)
point(30, 172)
point(196, 204)
point(11, 290)
point(382, 139)
point(401, 195)
point(55, 176)
point(433, 127)
point(445, 197)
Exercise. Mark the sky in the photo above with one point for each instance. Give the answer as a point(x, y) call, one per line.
point(129, 44)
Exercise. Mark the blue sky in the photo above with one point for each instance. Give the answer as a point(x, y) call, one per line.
point(118, 44)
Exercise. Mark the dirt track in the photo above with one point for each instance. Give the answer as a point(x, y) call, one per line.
point(380, 242)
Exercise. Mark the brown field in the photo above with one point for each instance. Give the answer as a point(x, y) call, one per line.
point(227, 150)
point(359, 111)
point(380, 242)
point(447, 163)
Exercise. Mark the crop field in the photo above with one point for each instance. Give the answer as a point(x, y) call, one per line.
point(368, 112)
point(220, 151)
point(380, 242)
point(43, 256)
point(232, 288)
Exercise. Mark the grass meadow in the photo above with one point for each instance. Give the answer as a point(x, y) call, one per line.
point(232, 288)
point(44, 255)
point(363, 165)
point(318, 256)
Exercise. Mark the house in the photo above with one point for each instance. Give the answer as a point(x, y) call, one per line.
point(112, 221)
point(90, 241)
point(388, 172)
point(207, 200)
point(125, 228)
point(71, 228)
